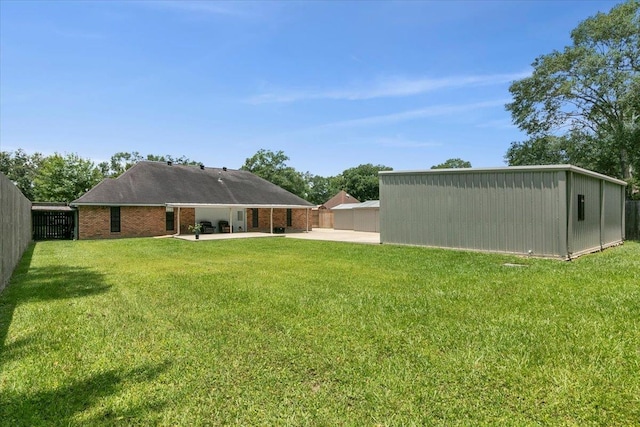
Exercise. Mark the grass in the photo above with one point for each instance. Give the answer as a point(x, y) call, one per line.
point(283, 331)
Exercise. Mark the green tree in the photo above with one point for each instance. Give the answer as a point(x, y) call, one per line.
point(21, 168)
point(65, 178)
point(583, 103)
point(321, 188)
point(122, 161)
point(119, 163)
point(453, 164)
point(273, 167)
point(362, 181)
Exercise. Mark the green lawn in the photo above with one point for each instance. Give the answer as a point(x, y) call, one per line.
point(283, 331)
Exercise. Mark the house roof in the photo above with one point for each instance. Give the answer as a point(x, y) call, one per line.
point(157, 183)
point(340, 198)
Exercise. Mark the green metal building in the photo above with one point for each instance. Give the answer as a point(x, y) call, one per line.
point(552, 211)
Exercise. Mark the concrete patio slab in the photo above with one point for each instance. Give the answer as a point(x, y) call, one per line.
point(330, 234)
point(226, 236)
point(327, 234)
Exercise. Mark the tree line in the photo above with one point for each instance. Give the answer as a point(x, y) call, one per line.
point(64, 178)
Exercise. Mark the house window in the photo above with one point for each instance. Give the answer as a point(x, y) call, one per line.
point(115, 219)
point(580, 207)
point(289, 218)
point(169, 219)
point(255, 218)
point(240, 216)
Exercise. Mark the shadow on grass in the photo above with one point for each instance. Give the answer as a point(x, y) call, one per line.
point(34, 284)
point(60, 405)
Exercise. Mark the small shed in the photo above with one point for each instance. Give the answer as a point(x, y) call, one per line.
point(366, 216)
point(343, 216)
point(53, 221)
point(554, 211)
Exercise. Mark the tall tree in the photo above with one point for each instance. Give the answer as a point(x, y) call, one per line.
point(272, 166)
point(119, 163)
point(122, 161)
point(453, 164)
point(362, 181)
point(585, 98)
point(65, 178)
point(321, 188)
point(21, 168)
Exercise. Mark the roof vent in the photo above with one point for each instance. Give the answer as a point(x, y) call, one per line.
point(224, 168)
point(169, 162)
point(201, 166)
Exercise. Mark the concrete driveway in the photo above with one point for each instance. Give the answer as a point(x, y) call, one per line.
point(337, 236)
point(328, 234)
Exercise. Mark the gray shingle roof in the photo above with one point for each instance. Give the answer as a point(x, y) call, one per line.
point(156, 183)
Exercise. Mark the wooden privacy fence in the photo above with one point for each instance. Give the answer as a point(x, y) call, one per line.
point(15, 222)
point(325, 219)
point(632, 220)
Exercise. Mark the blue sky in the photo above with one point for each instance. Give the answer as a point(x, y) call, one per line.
point(332, 84)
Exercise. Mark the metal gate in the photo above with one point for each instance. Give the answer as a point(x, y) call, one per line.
point(48, 225)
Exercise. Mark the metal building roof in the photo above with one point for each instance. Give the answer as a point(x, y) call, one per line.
point(369, 204)
point(507, 169)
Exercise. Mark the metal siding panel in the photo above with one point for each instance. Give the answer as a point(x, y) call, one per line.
point(561, 214)
point(497, 211)
point(613, 202)
point(365, 220)
point(586, 233)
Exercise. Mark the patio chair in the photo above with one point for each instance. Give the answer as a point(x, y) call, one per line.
point(207, 228)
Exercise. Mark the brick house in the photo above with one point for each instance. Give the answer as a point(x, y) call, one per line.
point(157, 198)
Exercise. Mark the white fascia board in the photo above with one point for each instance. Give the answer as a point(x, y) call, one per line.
point(238, 205)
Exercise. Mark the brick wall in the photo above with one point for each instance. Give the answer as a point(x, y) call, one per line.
point(94, 222)
point(187, 218)
point(298, 217)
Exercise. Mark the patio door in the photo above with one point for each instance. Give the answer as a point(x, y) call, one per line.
point(239, 221)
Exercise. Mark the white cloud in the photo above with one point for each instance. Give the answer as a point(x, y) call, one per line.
point(436, 110)
point(386, 88)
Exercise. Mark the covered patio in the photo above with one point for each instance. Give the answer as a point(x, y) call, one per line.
point(234, 215)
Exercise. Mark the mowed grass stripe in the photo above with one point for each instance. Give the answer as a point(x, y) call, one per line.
point(283, 331)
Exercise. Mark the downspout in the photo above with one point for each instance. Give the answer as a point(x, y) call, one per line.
point(307, 210)
point(271, 221)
